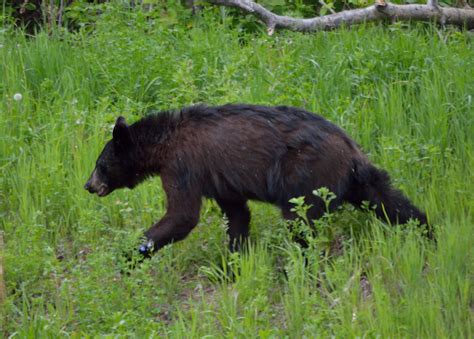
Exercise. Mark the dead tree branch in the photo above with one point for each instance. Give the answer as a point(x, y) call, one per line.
point(381, 10)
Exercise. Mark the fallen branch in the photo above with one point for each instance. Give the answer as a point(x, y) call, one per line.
point(381, 10)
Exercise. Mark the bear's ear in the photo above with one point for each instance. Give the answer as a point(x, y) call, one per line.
point(121, 133)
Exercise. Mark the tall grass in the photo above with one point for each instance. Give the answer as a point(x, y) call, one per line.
point(404, 93)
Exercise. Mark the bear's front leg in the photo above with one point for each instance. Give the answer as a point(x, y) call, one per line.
point(170, 229)
point(181, 217)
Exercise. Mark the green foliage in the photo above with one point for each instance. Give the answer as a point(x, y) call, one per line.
point(404, 93)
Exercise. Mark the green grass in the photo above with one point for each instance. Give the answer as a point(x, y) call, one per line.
point(404, 93)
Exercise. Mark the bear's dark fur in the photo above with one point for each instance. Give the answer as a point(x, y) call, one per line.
point(236, 153)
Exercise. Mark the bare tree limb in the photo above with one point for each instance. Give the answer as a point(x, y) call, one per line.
point(381, 10)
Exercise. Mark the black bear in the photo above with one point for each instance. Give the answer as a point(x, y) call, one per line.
point(235, 153)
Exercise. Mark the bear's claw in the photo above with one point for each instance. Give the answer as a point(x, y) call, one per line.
point(146, 249)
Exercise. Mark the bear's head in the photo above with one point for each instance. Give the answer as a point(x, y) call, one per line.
point(116, 165)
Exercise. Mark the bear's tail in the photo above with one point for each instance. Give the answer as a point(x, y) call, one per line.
point(373, 185)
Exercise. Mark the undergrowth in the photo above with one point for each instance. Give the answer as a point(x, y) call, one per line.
point(405, 93)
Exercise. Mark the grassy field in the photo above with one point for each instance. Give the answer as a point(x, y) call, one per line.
point(405, 93)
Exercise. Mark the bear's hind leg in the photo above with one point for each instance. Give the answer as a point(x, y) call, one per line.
point(238, 214)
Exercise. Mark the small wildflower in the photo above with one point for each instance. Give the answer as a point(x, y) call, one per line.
point(74, 101)
point(17, 97)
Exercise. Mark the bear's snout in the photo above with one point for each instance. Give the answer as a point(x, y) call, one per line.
point(95, 185)
point(102, 190)
point(88, 187)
